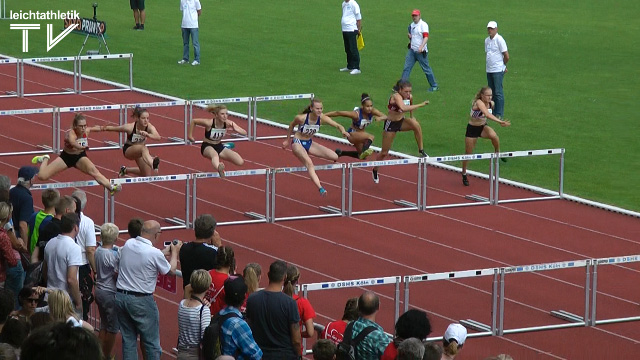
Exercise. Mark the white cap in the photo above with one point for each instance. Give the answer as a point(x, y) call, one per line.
point(492, 24)
point(456, 332)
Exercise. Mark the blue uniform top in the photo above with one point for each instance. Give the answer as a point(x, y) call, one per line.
point(307, 129)
point(361, 123)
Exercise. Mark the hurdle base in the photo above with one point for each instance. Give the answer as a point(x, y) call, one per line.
point(405, 203)
point(176, 139)
point(176, 221)
point(111, 143)
point(475, 197)
point(567, 316)
point(44, 147)
point(330, 209)
point(475, 325)
point(254, 215)
point(13, 93)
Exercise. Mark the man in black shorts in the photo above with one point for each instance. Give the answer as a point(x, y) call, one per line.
point(138, 13)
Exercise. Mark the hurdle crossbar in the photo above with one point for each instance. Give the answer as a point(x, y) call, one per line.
point(202, 103)
point(253, 132)
point(54, 126)
point(79, 60)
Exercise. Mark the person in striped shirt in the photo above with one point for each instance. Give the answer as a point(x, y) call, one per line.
point(193, 316)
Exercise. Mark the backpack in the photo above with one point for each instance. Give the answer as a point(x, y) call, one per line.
point(348, 348)
point(212, 337)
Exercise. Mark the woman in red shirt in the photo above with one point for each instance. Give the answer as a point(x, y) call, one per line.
point(225, 265)
point(334, 330)
point(307, 314)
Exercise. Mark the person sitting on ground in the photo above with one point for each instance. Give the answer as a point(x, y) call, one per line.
point(237, 338)
point(193, 316)
point(29, 300)
point(334, 330)
point(324, 349)
point(412, 324)
point(453, 340)
point(410, 349)
point(64, 340)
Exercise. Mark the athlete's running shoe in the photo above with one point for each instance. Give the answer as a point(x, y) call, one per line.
point(339, 152)
point(39, 159)
point(465, 181)
point(156, 162)
point(323, 192)
point(115, 188)
point(363, 155)
point(503, 159)
point(423, 154)
point(122, 172)
point(221, 170)
point(376, 179)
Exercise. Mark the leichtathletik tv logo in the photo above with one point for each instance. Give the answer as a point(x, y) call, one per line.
point(42, 15)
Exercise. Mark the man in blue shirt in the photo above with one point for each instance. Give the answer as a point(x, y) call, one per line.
point(237, 338)
point(22, 202)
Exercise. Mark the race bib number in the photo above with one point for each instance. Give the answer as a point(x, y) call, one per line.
point(84, 142)
point(310, 129)
point(136, 138)
point(217, 134)
point(407, 102)
point(364, 123)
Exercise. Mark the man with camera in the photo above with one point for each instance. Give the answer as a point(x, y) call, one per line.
point(140, 264)
point(418, 33)
point(200, 253)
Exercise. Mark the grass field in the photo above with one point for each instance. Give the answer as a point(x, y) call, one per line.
point(571, 80)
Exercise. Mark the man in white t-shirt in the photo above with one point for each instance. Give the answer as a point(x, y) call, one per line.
point(191, 11)
point(62, 258)
point(140, 264)
point(351, 26)
point(418, 33)
point(86, 239)
point(497, 58)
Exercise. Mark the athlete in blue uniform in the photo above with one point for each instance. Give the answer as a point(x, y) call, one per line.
point(360, 118)
point(302, 143)
point(481, 110)
point(215, 129)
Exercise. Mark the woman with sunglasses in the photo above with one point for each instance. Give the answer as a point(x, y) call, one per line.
point(28, 299)
point(481, 110)
point(74, 154)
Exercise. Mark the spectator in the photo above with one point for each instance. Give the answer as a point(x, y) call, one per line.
point(14, 332)
point(134, 228)
point(201, 253)
point(191, 11)
point(28, 300)
point(138, 13)
point(107, 258)
point(7, 352)
point(274, 319)
point(62, 259)
point(324, 349)
point(418, 37)
point(193, 317)
point(16, 243)
point(40, 219)
point(410, 349)
point(252, 274)
point(453, 340)
point(225, 261)
point(22, 202)
point(61, 309)
point(86, 239)
point(351, 26)
point(6, 306)
point(236, 336)
point(334, 330)
point(497, 58)
point(307, 314)
point(412, 324)
point(66, 204)
point(140, 264)
point(62, 339)
point(374, 344)
point(432, 351)
point(5, 186)
point(40, 319)
point(10, 266)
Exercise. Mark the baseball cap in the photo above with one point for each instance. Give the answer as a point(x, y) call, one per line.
point(415, 12)
point(27, 172)
point(456, 332)
point(492, 24)
point(235, 286)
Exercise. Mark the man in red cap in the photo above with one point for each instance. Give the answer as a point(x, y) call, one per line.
point(418, 33)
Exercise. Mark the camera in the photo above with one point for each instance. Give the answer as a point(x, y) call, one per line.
point(168, 243)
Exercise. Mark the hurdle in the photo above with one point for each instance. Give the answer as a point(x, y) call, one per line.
point(257, 217)
point(11, 93)
point(79, 76)
point(36, 62)
point(55, 124)
point(76, 109)
point(179, 223)
point(291, 170)
point(77, 184)
point(173, 140)
point(254, 129)
point(597, 263)
point(236, 100)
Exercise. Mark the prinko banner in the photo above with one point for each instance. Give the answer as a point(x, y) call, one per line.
point(87, 26)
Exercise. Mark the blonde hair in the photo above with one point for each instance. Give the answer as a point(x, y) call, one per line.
point(251, 274)
point(5, 211)
point(60, 306)
point(451, 348)
point(109, 233)
point(215, 109)
point(200, 281)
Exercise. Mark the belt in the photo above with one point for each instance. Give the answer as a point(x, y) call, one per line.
point(134, 293)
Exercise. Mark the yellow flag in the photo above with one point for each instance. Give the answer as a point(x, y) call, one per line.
point(360, 40)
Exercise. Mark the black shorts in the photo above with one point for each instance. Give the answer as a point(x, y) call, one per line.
point(393, 126)
point(474, 131)
point(217, 147)
point(136, 4)
point(70, 159)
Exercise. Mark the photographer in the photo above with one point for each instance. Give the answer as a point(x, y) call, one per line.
point(140, 264)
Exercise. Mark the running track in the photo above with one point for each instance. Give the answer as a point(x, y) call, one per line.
point(368, 246)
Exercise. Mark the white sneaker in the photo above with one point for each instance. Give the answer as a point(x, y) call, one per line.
point(183, 61)
point(345, 69)
point(195, 62)
point(355, 72)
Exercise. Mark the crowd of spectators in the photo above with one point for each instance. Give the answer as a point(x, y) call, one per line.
point(51, 259)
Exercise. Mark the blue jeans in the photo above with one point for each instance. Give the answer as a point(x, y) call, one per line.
point(494, 81)
point(193, 32)
point(423, 60)
point(15, 281)
point(138, 315)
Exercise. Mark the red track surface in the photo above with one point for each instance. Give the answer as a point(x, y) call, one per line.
point(368, 246)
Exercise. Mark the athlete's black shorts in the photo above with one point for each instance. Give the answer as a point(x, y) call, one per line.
point(72, 159)
point(474, 131)
point(217, 147)
point(393, 126)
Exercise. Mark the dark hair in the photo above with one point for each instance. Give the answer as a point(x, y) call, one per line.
point(40, 319)
point(350, 310)
point(231, 297)
point(62, 339)
point(432, 351)
point(63, 204)
point(78, 205)
point(314, 100)
point(24, 293)
point(293, 275)
point(69, 220)
point(14, 332)
point(7, 303)
point(364, 97)
point(134, 228)
point(137, 111)
point(401, 84)
point(413, 323)
point(368, 303)
point(277, 271)
point(225, 258)
point(324, 349)
point(204, 226)
point(78, 117)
